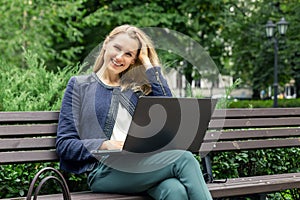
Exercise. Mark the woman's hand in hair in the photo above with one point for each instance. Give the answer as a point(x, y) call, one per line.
point(144, 54)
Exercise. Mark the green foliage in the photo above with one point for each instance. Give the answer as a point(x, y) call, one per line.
point(15, 179)
point(225, 102)
point(283, 103)
point(33, 87)
point(232, 32)
point(49, 28)
point(64, 32)
point(258, 162)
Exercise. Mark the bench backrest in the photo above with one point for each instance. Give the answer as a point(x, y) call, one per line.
point(27, 136)
point(260, 128)
point(30, 136)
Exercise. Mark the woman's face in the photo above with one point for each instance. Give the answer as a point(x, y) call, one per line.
point(120, 53)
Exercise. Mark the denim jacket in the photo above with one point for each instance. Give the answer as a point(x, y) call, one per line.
point(87, 115)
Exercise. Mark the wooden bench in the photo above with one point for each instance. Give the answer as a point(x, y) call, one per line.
point(30, 137)
point(252, 129)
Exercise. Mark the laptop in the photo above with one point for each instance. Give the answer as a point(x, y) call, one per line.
point(166, 123)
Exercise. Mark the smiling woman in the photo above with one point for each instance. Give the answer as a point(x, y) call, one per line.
point(95, 115)
point(120, 53)
point(128, 51)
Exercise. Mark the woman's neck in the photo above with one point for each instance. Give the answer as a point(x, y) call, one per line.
point(108, 78)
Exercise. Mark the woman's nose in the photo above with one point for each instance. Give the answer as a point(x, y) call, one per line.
point(119, 55)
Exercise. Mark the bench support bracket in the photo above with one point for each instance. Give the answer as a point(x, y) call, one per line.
point(59, 178)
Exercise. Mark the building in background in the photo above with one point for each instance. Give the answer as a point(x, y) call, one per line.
point(205, 87)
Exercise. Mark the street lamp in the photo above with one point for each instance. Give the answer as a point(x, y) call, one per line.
point(270, 31)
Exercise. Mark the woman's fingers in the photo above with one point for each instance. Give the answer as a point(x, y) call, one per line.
point(116, 144)
point(143, 56)
point(143, 50)
point(111, 145)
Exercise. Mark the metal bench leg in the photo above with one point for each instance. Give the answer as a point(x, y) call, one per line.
point(262, 196)
point(58, 178)
point(207, 171)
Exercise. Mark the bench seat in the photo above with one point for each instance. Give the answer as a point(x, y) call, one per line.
point(87, 195)
point(255, 184)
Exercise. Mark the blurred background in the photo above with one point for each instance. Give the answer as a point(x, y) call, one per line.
point(233, 32)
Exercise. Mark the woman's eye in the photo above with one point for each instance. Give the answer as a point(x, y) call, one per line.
point(128, 54)
point(118, 48)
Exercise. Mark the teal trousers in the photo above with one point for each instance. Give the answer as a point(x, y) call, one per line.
point(168, 175)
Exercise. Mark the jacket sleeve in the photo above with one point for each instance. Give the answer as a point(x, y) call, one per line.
point(69, 145)
point(158, 83)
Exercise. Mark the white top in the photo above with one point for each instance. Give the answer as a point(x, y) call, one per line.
point(121, 125)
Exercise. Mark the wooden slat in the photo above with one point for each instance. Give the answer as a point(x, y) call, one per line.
point(257, 184)
point(229, 113)
point(27, 156)
point(256, 112)
point(28, 130)
point(98, 196)
point(254, 123)
point(87, 195)
point(251, 134)
point(29, 116)
point(26, 143)
point(250, 144)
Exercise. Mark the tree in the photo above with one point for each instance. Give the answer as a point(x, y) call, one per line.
point(252, 53)
point(49, 28)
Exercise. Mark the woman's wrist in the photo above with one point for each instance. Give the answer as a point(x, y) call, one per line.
point(104, 145)
point(146, 62)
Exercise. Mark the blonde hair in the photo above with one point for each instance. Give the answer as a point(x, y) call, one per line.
point(134, 77)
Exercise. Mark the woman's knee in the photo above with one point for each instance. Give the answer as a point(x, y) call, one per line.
point(178, 190)
point(188, 157)
point(169, 189)
point(187, 154)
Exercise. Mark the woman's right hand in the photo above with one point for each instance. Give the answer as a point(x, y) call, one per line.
point(111, 145)
point(144, 54)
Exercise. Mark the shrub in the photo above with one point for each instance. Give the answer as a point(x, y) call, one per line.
point(32, 88)
point(282, 103)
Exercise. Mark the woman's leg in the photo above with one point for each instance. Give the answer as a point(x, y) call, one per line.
point(177, 164)
point(169, 189)
point(187, 170)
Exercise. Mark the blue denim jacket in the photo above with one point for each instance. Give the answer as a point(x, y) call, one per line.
point(87, 116)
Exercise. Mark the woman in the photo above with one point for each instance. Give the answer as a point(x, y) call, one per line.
point(96, 112)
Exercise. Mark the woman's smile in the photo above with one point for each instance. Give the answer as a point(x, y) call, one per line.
point(117, 63)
